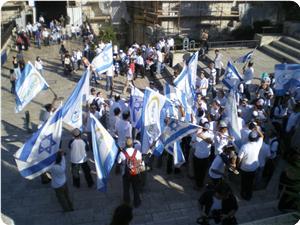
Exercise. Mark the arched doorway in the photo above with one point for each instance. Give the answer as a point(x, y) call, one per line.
point(50, 10)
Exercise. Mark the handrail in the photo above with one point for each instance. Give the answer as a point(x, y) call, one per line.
point(240, 43)
point(6, 32)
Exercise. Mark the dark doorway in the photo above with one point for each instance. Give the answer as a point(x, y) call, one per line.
point(50, 10)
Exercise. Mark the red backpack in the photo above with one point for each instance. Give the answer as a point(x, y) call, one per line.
point(133, 166)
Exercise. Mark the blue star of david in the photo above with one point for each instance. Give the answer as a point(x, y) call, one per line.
point(105, 57)
point(173, 125)
point(46, 144)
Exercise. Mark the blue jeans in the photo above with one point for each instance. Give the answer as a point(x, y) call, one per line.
point(158, 67)
point(41, 71)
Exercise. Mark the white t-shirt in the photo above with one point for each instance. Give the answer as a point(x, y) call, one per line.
point(218, 61)
point(264, 153)
point(220, 141)
point(202, 148)
point(58, 174)
point(38, 65)
point(78, 151)
point(218, 165)
point(140, 60)
point(159, 56)
point(203, 83)
point(124, 131)
point(249, 155)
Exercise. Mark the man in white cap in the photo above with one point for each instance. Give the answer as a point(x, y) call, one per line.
point(248, 162)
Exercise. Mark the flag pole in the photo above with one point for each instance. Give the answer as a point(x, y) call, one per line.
point(55, 95)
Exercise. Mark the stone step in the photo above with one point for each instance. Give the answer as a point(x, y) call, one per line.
point(283, 219)
point(269, 50)
point(291, 41)
point(291, 50)
point(259, 210)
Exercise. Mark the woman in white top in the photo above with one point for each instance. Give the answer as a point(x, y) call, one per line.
point(38, 64)
point(59, 182)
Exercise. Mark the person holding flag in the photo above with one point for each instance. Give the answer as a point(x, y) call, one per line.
point(28, 85)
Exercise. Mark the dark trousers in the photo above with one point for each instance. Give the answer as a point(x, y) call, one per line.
point(135, 182)
point(62, 195)
point(170, 162)
point(139, 70)
point(87, 174)
point(247, 181)
point(219, 71)
point(247, 91)
point(200, 170)
point(13, 86)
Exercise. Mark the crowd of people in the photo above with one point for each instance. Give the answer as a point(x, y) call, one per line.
point(266, 122)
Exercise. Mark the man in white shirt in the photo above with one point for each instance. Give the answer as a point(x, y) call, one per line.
point(212, 80)
point(109, 80)
point(248, 76)
point(202, 144)
point(78, 58)
point(59, 182)
point(159, 61)
point(248, 162)
point(78, 156)
point(73, 32)
point(45, 35)
point(202, 85)
point(218, 64)
point(123, 130)
point(128, 177)
point(140, 65)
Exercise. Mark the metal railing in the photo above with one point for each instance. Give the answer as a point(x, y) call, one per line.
point(230, 44)
point(6, 31)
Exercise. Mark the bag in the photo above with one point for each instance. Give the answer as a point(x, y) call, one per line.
point(133, 165)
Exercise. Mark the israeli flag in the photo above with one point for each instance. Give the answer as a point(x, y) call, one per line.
point(38, 154)
point(105, 152)
point(28, 85)
point(153, 115)
point(186, 80)
point(72, 109)
point(232, 117)
point(287, 78)
point(104, 60)
point(231, 77)
point(176, 151)
point(174, 131)
point(136, 107)
point(245, 58)
point(178, 98)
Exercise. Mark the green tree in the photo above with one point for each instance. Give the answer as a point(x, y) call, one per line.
point(107, 34)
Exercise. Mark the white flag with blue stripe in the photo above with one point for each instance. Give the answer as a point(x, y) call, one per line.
point(72, 109)
point(28, 85)
point(232, 77)
point(232, 117)
point(38, 154)
point(178, 98)
point(104, 60)
point(245, 58)
point(174, 131)
point(136, 107)
point(186, 80)
point(154, 113)
point(287, 77)
point(105, 152)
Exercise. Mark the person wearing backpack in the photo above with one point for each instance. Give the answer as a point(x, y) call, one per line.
point(131, 159)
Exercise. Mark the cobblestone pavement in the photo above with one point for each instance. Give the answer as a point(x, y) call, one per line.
point(166, 199)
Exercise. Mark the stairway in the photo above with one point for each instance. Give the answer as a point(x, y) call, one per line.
point(285, 48)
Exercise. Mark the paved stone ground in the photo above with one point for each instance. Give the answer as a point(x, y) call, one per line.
point(166, 199)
